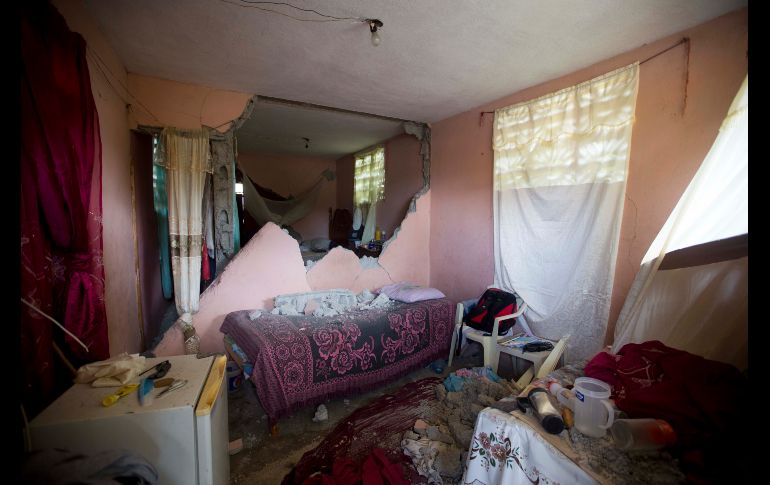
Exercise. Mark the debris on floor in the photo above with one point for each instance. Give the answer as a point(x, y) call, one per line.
point(438, 443)
point(321, 414)
point(235, 446)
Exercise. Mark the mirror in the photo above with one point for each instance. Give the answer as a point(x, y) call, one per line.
point(329, 177)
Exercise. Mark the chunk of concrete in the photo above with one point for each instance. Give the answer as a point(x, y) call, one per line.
point(434, 434)
point(440, 392)
point(462, 434)
point(486, 400)
point(449, 463)
point(321, 414)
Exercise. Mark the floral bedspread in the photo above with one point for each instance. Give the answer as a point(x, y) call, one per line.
point(304, 360)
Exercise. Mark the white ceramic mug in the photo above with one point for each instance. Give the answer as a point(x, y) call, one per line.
point(594, 413)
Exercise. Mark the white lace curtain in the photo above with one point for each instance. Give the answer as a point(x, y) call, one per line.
point(559, 183)
point(369, 176)
point(369, 186)
point(187, 160)
point(702, 309)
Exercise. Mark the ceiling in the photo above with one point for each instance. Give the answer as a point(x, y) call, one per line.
point(277, 128)
point(436, 58)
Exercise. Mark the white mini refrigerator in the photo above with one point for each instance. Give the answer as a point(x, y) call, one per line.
point(183, 434)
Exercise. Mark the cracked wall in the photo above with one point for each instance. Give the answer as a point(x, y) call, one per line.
point(271, 265)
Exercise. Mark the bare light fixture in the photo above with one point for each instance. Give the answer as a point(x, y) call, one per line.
point(374, 24)
point(307, 142)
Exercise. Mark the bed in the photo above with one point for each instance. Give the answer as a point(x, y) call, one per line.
point(304, 360)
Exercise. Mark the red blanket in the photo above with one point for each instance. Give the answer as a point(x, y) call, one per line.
point(705, 401)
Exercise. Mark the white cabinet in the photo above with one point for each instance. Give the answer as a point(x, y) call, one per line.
point(183, 434)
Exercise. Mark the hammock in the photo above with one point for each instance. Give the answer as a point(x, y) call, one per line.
point(281, 212)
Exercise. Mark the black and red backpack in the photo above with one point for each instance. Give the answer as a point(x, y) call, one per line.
point(492, 304)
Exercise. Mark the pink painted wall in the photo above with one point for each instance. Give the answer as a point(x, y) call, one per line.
point(291, 175)
point(667, 148)
point(271, 264)
point(107, 74)
point(160, 102)
point(403, 179)
point(345, 170)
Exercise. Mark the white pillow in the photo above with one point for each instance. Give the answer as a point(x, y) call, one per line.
point(410, 293)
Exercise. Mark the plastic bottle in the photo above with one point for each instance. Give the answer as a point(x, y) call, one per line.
point(564, 396)
point(642, 434)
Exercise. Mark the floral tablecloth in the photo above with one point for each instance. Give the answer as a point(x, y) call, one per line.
point(512, 448)
point(507, 449)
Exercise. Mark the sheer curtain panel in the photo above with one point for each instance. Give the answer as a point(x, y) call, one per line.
point(559, 183)
point(186, 160)
point(700, 308)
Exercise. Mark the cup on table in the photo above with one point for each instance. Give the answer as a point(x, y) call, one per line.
point(642, 434)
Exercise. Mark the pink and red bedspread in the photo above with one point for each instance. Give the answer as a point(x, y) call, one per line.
point(304, 360)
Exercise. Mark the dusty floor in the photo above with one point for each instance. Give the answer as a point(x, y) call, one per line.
point(265, 459)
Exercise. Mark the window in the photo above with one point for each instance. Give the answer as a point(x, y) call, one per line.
point(369, 176)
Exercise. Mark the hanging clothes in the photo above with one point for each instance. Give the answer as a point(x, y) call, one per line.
point(208, 216)
point(208, 229)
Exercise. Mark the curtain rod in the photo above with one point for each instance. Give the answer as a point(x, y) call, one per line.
point(683, 40)
point(157, 130)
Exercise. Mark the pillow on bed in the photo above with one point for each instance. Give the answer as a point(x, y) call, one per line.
point(410, 293)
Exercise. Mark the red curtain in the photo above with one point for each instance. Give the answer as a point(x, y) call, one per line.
point(61, 229)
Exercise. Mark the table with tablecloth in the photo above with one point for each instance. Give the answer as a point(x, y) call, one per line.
point(513, 448)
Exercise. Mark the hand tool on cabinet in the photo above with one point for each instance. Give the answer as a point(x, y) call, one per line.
point(123, 391)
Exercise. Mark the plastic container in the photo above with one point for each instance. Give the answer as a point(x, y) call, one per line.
point(234, 376)
point(642, 434)
point(565, 396)
point(594, 412)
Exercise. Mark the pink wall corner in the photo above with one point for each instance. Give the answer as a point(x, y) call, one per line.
point(407, 255)
point(338, 269)
point(403, 179)
point(269, 265)
point(117, 237)
point(667, 147)
point(345, 170)
point(162, 102)
point(291, 175)
point(371, 279)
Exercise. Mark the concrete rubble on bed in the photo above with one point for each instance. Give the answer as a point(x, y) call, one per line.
point(327, 303)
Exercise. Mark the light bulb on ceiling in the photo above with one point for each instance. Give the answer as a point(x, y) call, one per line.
point(374, 24)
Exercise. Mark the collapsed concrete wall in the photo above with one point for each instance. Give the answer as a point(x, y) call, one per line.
point(271, 265)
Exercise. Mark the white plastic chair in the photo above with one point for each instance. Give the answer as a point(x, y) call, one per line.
point(548, 365)
point(488, 342)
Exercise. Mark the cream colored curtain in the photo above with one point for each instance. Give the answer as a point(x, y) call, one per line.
point(559, 183)
point(186, 159)
point(369, 177)
point(701, 309)
point(369, 187)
